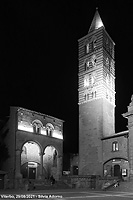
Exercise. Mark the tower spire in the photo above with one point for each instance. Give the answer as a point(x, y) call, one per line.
point(96, 22)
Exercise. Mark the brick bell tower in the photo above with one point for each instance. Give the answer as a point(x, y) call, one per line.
point(96, 95)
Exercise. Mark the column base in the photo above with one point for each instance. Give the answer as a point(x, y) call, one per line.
point(18, 181)
point(18, 175)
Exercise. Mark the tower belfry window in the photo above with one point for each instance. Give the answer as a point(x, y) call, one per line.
point(86, 82)
point(87, 47)
point(94, 43)
point(107, 62)
point(107, 44)
point(91, 46)
point(87, 64)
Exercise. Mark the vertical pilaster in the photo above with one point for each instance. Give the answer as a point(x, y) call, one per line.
point(59, 166)
point(129, 116)
point(41, 165)
point(18, 175)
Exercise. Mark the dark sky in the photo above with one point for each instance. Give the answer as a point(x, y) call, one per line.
point(39, 57)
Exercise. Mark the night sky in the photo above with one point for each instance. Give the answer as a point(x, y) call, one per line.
point(39, 57)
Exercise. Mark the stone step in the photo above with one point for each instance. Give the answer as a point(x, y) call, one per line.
point(48, 186)
point(124, 186)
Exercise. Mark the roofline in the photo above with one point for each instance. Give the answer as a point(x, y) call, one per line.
point(92, 32)
point(18, 108)
point(116, 135)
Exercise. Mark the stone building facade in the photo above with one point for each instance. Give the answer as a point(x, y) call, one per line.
point(116, 155)
point(101, 151)
point(35, 146)
point(129, 116)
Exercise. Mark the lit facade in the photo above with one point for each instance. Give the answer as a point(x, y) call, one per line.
point(35, 146)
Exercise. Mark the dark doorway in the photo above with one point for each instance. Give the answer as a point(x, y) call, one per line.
point(117, 171)
point(2, 181)
point(75, 170)
point(32, 173)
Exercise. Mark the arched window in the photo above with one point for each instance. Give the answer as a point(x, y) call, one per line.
point(49, 129)
point(115, 146)
point(37, 125)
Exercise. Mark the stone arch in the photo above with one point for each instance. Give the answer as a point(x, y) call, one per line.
point(31, 161)
point(37, 125)
point(51, 164)
point(34, 141)
point(114, 158)
point(38, 122)
point(116, 166)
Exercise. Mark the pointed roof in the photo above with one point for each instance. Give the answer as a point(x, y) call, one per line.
point(96, 22)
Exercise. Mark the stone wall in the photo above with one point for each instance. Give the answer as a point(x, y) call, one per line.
point(122, 152)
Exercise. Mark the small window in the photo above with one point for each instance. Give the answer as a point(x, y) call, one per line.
point(49, 129)
point(94, 60)
point(115, 146)
point(86, 81)
point(85, 97)
point(37, 125)
point(95, 94)
point(94, 43)
point(87, 64)
point(107, 62)
point(88, 96)
point(87, 48)
point(36, 128)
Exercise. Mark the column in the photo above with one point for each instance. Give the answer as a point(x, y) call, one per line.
point(59, 166)
point(18, 175)
point(41, 165)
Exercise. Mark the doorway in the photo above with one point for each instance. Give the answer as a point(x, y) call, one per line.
point(2, 181)
point(32, 173)
point(117, 171)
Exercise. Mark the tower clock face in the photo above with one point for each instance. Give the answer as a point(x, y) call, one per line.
point(93, 60)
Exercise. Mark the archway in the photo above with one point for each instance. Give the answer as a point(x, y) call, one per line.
point(116, 167)
point(30, 160)
point(50, 161)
